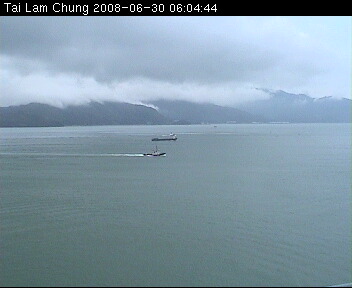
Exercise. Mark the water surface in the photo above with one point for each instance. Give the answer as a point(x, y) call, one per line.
point(229, 205)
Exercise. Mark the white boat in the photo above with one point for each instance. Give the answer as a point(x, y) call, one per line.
point(155, 153)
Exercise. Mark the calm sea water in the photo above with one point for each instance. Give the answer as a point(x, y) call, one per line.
point(229, 205)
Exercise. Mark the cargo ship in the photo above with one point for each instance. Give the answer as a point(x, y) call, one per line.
point(169, 137)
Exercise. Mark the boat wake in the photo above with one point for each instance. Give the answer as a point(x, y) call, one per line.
point(126, 155)
point(72, 155)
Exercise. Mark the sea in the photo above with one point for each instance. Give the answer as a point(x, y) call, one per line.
point(229, 205)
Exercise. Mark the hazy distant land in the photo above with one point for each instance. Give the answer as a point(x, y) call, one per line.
point(281, 107)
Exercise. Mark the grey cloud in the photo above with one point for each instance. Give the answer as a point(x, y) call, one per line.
point(217, 59)
point(115, 48)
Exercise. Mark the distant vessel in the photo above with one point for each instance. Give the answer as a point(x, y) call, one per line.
point(165, 137)
point(155, 153)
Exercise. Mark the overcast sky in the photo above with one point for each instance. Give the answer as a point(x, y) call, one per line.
point(222, 60)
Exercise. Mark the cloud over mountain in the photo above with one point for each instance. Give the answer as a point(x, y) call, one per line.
point(72, 60)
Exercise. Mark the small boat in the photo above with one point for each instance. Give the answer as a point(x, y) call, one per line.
point(165, 137)
point(155, 153)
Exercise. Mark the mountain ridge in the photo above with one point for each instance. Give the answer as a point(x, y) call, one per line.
point(300, 108)
point(200, 113)
point(94, 113)
point(280, 107)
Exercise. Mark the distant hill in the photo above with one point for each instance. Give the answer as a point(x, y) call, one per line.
point(300, 108)
point(196, 113)
point(280, 107)
point(107, 113)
